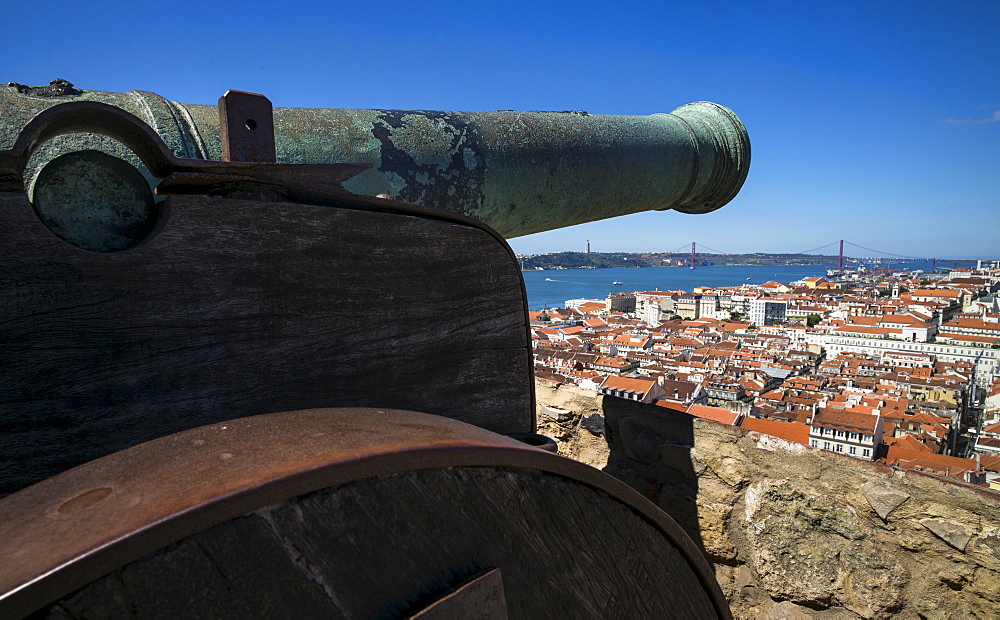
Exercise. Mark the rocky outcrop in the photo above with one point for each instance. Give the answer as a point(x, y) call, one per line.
point(795, 532)
point(574, 419)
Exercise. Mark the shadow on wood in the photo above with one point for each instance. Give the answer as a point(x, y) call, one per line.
point(238, 308)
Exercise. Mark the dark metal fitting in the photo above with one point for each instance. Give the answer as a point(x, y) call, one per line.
point(536, 440)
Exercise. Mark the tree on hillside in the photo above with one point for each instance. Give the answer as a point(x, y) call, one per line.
point(813, 319)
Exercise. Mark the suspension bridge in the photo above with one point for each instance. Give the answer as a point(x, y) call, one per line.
point(853, 249)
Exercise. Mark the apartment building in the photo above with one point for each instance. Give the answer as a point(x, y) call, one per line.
point(846, 432)
point(766, 311)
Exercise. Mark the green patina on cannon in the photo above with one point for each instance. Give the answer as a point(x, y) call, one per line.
point(518, 172)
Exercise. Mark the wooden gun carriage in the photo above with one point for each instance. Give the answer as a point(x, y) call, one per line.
point(277, 397)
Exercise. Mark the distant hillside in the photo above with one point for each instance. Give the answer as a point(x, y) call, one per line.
point(598, 260)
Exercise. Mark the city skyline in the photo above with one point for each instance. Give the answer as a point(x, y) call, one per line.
point(830, 250)
point(879, 124)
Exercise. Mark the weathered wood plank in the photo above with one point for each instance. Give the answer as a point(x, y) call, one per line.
point(238, 308)
point(239, 571)
point(387, 547)
point(564, 550)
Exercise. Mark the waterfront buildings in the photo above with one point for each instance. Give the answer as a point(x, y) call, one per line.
point(869, 370)
point(620, 302)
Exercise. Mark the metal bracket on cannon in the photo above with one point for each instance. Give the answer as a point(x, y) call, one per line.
point(248, 161)
point(122, 212)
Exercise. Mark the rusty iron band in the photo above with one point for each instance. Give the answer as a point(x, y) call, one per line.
point(73, 528)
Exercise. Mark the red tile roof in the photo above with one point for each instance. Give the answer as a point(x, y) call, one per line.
point(717, 414)
point(990, 463)
point(845, 420)
point(796, 432)
point(992, 428)
point(908, 442)
point(640, 386)
point(935, 463)
point(672, 405)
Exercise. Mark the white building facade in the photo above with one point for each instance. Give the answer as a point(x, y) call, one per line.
point(766, 311)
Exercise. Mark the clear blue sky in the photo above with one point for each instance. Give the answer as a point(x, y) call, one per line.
point(876, 122)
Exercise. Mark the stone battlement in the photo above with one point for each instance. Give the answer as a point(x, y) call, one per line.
point(794, 532)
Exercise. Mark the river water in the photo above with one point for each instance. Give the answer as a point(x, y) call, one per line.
point(552, 287)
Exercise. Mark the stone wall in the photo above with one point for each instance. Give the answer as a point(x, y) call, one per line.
point(794, 532)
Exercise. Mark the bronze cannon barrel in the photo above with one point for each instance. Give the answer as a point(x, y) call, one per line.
point(519, 172)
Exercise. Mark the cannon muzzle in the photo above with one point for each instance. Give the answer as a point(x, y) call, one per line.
point(519, 172)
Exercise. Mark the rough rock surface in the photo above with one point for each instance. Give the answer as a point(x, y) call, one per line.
point(795, 532)
point(952, 533)
point(883, 500)
point(572, 417)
